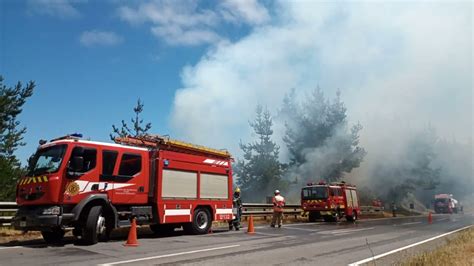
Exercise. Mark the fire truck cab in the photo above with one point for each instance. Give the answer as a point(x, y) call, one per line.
point(330, 201)
point(95, 187)
point(445, 203)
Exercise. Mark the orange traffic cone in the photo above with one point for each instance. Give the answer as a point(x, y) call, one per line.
point(430, 218)
point(132, 235)
point(250, 229)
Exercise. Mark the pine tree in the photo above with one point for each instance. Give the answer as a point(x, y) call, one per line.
point(138, 128)
point(12, 100)
point(318, 138)
point(259, 171)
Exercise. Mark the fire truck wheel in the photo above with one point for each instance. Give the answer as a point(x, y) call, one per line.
point(53, 237)
point(201, 222)
point(95, 226)
point(313, 216)
point(352, 218)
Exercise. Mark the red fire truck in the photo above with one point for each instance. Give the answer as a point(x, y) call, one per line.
point(94, 187)
point(445, 203)
point(330, 201)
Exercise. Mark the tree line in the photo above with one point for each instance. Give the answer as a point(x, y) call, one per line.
point(12, 100)
point(320, 142)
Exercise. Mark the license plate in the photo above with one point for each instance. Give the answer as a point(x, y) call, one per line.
point(22, 223)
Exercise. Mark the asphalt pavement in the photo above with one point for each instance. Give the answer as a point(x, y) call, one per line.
point(317, 243)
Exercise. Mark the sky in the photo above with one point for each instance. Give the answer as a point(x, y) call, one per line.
point(201, 67)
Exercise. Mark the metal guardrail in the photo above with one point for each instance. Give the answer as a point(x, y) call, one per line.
point(8, 210)
point(371, 210)
point(264, 210)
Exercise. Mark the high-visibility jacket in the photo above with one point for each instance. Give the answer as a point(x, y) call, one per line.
point(278, 203)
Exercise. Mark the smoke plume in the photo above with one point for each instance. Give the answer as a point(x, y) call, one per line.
point(400, 66)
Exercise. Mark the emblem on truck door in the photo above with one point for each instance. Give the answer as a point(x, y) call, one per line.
point(72, 189)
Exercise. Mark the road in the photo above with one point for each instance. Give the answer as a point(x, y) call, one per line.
point(293, 244)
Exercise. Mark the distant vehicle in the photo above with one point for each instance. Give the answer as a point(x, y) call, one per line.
point(330, 201)
point(445, 203)
point(377, 203)
point(94, 187)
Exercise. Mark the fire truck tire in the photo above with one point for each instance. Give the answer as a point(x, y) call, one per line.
point(313, 216)
point(53, 237)
point(95, 228)
point(352, 218)
point(200, 224)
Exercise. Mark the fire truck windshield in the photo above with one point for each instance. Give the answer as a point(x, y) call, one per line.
point(311, 193)
point(47, 160)
point(444, 200)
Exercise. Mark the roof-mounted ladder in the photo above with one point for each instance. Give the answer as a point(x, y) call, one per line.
point(157, 141)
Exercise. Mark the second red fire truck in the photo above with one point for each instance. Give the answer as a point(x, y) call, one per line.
point(94, 187)
point(330, 201)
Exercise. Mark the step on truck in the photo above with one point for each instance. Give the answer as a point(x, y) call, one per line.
point(330, 201)
point(95, 187)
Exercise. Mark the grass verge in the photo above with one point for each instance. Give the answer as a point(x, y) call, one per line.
point(457, 251)
point(8, 234)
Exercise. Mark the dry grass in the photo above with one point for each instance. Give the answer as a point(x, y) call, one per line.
point(457, 251)
point(8, 234)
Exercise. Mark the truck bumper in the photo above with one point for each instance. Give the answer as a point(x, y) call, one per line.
point(28, 218)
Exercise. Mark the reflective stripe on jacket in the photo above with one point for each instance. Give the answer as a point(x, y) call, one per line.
point(278, 203)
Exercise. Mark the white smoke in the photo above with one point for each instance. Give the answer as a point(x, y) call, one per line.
point(399, 65)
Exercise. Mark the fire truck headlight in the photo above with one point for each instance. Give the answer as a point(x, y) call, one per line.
point(55, 210)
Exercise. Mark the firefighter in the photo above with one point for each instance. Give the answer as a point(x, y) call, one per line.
point(236, 210)
point(394, 209)
point(278, 203)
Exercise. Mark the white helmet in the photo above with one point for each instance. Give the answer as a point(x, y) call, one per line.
point(277, 192)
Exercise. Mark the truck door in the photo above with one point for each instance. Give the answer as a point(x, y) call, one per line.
point(109, 162)
point(85, 180)
point(130, 184)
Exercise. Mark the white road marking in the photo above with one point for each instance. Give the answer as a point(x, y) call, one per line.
point(169, 255)
point(406, 247)
point(10, 247)
point(444, 219)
